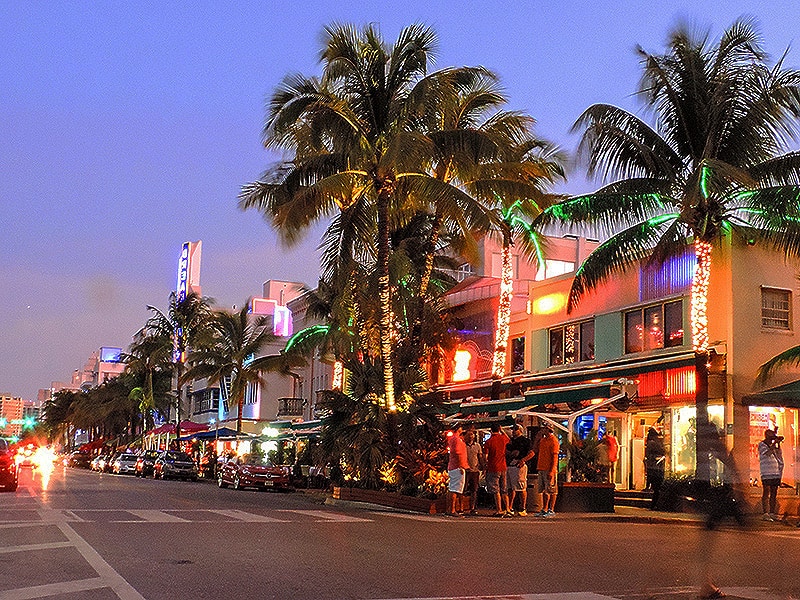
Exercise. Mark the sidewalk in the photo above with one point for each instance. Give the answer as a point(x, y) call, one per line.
point(622, 514)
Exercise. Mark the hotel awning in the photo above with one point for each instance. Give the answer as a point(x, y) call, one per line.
point(492, 406)
point(786, 395)
point(567, 394)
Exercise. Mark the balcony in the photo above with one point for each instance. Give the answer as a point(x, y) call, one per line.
point(290, 407)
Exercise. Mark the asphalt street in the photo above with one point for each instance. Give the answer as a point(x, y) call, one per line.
point(80, 535)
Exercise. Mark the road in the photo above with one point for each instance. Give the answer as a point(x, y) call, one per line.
point(98, 536)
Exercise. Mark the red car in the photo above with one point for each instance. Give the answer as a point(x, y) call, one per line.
point(252, 472)
point(8, 467)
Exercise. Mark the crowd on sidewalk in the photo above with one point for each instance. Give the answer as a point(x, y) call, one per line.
point(504, 461)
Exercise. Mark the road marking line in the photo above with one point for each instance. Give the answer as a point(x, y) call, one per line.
point(53, 515)
point(157, 516)
point(16, 524)
point(552, 596)
point(329, 517)
point(29, 547)
point(53, 589)
point(247, 517)
point(123, 589)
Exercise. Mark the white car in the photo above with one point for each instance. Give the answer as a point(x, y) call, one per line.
point(125, 463)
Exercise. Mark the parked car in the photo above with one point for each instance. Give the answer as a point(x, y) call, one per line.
point(8, 467)
point(124, 463)
point(99, 462)
point(144, 463)
point(79, 460)
point(254, 472)
point(108, 463)
point(172, 464)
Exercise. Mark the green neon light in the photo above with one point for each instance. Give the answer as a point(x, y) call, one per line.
point(305, 334)
point(704, 181)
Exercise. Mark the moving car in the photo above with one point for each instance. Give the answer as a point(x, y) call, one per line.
point(8, 467)
point(124, 463)
point(252, 471)
point(172, 464)
point(145, 462)
point(25, 456)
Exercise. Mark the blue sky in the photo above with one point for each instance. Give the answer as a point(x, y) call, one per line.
point(128, 128)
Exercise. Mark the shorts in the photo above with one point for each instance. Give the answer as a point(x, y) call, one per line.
point(457, 479)
point(771, 482)
point(473, 479)
point(547, 483)
point(496, 482)
point(518, 478)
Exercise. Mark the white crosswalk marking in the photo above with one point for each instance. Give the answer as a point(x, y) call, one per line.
point(247, 517)
point(32, 547)
point(157, 516)
point(323, 516)
point(52, 515)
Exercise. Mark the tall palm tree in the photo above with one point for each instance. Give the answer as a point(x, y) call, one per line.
point(149, 355)
point(183, 325)
point(713, 166)
point(232, 352)
point(355, 139)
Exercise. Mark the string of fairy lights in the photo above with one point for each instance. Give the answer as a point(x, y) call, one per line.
point(699, 315)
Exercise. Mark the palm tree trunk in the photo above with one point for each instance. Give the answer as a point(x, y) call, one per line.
point(699, 319)
point(503, 311)
point(384, 294)
point(239, 414)
point(426, 274)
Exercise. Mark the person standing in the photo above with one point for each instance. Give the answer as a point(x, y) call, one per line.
point(770, 462)
point(494, 451)
point(654, 462)
point(518, 453)
point(456, 470)
point(547, 468)
point(476, 465)
point(612, 445)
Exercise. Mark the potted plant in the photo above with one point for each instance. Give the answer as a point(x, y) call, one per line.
point(585, 490)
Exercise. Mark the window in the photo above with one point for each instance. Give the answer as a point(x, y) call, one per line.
point(517, 354)
point(572, 343)
point(654, 327)
point(464, 271)
point(776, 308)
point(554, 268)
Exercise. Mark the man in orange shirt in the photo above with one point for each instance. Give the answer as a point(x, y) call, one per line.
point(547, 466)
point(494, 450)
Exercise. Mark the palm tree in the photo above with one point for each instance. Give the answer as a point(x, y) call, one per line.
point(232, 352)
point(356, 143)
point(148, 356)
point(711, 168)
point(183, 325)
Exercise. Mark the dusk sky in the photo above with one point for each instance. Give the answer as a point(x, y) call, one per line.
point(127, 128)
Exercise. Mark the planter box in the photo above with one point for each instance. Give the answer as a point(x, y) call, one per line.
point(585, 497)
point(391, 499)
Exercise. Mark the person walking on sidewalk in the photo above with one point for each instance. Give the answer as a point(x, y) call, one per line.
point(476, 465)
point(494, 451)
point(456, 470)
point(547, 468)
point(770, 461)
point(518, 453)
point(654, 463)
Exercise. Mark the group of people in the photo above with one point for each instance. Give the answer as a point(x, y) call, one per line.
point(504, 462)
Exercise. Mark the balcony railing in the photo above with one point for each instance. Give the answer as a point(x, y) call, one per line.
point(290, 407)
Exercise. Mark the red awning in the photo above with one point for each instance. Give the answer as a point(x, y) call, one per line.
point(187, 426)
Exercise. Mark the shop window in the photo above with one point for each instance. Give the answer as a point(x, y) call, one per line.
point(517, 354)
point(654, 327)
point(572, 343)
point(776, 308)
